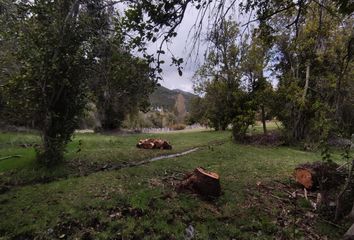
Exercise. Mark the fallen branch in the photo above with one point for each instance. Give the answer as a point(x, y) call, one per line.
point(8, 157)
point(349, 234)
point(342, 166)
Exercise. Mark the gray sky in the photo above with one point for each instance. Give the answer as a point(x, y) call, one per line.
point(180, 46)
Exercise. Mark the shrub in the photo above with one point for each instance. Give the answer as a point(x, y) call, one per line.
point(178, 126)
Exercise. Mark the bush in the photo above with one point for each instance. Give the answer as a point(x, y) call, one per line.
point(178, 126)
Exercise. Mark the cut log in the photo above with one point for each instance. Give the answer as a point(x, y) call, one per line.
point(311, 175)
point(202, 182)
point(305, 177)
point(151, 143)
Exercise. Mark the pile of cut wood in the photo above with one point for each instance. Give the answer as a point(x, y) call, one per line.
point(153, 143)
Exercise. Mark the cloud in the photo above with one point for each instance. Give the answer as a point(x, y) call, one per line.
point(172, 80)
point(180, 47)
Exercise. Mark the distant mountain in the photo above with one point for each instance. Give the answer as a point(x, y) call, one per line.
point(171, 99)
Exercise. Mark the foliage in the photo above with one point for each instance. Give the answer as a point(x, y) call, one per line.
point(197, 112)
point(122, 88)
point(54, 50)
point(178, 126)
point(314, 72)
point(255, 63)
point(232, 80)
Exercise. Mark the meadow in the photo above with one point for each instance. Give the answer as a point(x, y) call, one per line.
point(83, 198)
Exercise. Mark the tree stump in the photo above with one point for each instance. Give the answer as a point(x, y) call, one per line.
point(202, 182)
point(311, 175)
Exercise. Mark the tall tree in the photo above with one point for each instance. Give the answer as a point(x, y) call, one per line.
point(219, 77)
point(253, 66)
point(314, 72)
point(53, 51)
point(227, 95)
point(122, 87)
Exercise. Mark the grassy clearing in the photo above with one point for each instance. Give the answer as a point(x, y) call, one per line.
point(273, 125)
point(140, 202)
point(87, 153)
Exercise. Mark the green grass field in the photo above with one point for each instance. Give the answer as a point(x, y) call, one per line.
point(77, 200)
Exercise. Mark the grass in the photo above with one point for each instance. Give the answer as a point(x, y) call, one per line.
point(272, 125)
point(140, 202)
point(87, 153)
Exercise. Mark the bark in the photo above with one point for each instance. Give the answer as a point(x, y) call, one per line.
point(306, 82)
point(299, 128)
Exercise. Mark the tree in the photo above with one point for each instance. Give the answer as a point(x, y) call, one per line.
point(9, 67)
point(53, 52)
point(219, 77)
point(228, 96)
point(197, 112)
point(122, 86)
point(313, 72)
point(255, 63)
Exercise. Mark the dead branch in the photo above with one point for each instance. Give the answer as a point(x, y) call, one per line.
point(8, 157)
point(340, 195)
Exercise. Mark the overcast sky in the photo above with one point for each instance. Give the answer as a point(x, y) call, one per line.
point(180, 46)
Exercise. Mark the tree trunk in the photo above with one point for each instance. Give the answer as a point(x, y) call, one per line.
point(299, 131)
point(264, 120)
point(306, 82)
point(339, 96)
point(52, 152)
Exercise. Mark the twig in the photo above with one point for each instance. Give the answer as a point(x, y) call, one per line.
point(331, 223)
point(345, 187)
point(341, 166)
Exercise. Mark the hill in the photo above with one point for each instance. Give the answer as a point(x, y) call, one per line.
point(167, 98)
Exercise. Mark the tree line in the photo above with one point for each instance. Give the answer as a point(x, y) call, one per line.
point(58, 56)
point(310, 69)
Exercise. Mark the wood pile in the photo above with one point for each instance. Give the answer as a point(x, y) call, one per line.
point(153, 143)
point(202, 182)
point(311, 175)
